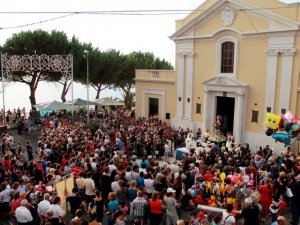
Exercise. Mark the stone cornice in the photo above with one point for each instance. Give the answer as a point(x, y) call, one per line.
point(283, 51)
point(287, 51)
point(154, 80)
point(186, 54)
point(272, 52)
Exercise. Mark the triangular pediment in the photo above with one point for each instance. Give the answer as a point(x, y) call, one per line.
point(247, 18)
point(223, 81)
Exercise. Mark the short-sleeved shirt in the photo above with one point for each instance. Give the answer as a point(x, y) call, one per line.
point(57, 210)
point(113, 205)
point(5, 195)
point(228, 219)
point(171, 205)
point(43, 206)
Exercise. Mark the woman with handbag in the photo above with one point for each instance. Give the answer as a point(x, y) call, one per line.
point(266, 198)
point(97, 206)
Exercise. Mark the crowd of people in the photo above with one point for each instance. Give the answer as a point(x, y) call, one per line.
point(124, 174)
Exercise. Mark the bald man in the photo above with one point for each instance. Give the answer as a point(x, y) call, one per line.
point(280, 221)
point(180, 222)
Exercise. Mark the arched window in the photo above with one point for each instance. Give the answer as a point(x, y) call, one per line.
point(227, 58)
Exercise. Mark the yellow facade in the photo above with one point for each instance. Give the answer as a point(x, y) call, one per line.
point(158, 84)
point(264, 75)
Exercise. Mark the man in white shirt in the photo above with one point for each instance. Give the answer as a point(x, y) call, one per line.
point(5, 199)
point(94, 164)
point(227, 218)
point(112, 166)
point(89, 187)
point(23, 215)
point(115, 185)
point(58, 212)
point(135, 172)
point(6, 182)
point(43, 206)
point(149, 184)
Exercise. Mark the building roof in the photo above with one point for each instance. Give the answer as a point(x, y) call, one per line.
point(277, 20)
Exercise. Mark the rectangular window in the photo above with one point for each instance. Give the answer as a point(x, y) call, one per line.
point(198, 108)
point(227, 57)
point(254, 116)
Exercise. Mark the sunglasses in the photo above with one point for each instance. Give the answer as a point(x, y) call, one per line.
point(280, 221)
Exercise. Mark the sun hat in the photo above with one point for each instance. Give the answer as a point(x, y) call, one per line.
point(170, 190)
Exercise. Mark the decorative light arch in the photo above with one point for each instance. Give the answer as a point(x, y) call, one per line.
point(27, 63)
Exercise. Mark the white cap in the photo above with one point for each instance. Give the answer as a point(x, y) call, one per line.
point(170, 190)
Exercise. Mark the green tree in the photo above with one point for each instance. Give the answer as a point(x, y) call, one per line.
point(106, 65)
point(36, 42)
point(79, 65)
point(103, 67)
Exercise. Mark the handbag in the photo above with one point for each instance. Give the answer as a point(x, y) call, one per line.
point(288, 192)
point(183, 192)
point(92, 207)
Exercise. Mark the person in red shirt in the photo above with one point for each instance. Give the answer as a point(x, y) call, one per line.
point(155, 205)
point(282, 205)
point(6, 162)
point(266, 198)
point(76, 170)
point(48, 124)
point(207, 176)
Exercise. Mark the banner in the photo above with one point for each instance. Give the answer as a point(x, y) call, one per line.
point(64, 186)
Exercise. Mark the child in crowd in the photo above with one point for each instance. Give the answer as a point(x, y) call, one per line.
point(123, 208)
point(274, 207)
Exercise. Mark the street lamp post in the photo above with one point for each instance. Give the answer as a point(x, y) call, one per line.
point(3, 90)
point(86, 53)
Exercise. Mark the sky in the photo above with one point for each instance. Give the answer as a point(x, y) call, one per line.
point(126, 33)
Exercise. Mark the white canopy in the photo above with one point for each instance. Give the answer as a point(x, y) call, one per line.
point(108, 102)
point(80, 101)
point(54, 105)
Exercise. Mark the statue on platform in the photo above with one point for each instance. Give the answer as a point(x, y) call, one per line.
point(218, 124)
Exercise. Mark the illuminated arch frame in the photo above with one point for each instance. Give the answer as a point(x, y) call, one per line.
point(25, 63)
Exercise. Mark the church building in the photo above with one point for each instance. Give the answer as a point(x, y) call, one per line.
point(235, 58)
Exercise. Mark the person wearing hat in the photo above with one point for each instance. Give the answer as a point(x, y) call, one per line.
point(171, 212)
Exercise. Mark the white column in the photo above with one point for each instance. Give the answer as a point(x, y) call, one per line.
point(286, 78)
point(163, 107)
point(239, 116)
point(205, 109)
point(180, 83)
point(143, 102)
point(272, 54)
point(189, 85)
